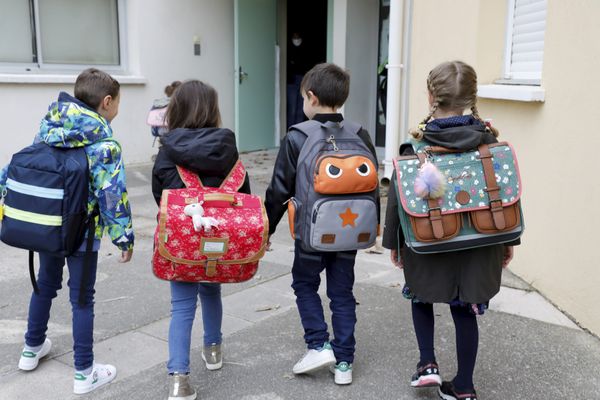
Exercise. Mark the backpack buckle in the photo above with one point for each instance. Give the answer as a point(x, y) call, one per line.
point(211, 267)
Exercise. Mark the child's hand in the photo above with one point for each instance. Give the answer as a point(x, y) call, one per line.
point(397, 261)
point(126, 256)
point(508, 256)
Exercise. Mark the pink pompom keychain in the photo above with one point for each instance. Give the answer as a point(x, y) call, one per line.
point(430, 183)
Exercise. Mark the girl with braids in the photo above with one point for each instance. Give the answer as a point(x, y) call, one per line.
point(466, 279)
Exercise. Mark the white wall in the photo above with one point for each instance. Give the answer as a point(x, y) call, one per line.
point(160, 42)
point(362, 31)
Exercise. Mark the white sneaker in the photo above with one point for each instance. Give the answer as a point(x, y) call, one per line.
point(30, 360)
point(101, 375)
point(315, 359)
point(342, 372)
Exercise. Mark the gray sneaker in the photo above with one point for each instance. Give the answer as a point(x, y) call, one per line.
point(180, 388)
point(212, 356)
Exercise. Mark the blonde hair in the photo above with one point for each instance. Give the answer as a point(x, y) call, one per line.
point(453, 85)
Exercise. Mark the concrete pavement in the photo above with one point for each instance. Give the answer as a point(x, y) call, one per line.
point(528, 348)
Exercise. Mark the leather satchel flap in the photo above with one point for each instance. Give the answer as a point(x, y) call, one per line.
point(465, 180)
point(423, 229)
point(483, 220)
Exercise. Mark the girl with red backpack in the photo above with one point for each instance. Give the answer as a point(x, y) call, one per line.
point(195, 142)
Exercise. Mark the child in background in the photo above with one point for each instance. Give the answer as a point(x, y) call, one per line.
point(161, 105)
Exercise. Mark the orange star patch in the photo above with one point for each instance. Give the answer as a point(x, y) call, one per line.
point(348, 217)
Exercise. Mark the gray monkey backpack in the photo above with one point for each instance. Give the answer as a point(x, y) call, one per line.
point(335, 203)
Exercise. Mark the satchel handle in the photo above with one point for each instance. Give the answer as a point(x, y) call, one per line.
point(440, 150)
point(445, 150)
point(229, 198)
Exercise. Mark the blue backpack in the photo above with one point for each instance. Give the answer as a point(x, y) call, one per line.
point(46, 202)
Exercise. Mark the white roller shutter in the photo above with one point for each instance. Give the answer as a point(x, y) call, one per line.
point(525, 41)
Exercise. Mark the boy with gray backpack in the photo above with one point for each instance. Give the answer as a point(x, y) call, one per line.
point(326, 176)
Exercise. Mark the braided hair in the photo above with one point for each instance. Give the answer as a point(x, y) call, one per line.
point(453, 85)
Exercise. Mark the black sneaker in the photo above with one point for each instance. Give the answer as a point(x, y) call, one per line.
point(427, 375)
point(447, 392)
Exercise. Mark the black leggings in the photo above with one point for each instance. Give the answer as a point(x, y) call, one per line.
point(467, 339)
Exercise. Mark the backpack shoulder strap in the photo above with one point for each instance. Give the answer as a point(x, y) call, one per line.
point(232, 182)
point(190, 179)
point(306, 127)
point(235, 179)
point(351, 126)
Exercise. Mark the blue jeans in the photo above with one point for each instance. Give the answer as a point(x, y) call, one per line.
point(184, 298)
point(49, 283)
point(339, 270)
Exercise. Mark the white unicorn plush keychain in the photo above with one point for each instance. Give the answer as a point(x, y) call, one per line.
point(200, 222)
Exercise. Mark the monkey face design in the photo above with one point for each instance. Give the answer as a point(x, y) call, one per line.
point(345, 174)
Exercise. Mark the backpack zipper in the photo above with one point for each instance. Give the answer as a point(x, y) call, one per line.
point(331, 140)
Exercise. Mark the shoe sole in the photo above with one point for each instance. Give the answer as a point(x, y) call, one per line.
point(427, 381)
point(96, 386)
point(191, 397)
point(314, 367)
point(212, 367)
point(342, 382)
point(445, 396)
point(24, 367)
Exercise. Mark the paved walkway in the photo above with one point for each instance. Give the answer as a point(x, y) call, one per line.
point(528, 348)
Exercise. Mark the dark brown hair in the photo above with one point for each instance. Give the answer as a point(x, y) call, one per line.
point(93, 85)
point(453, 86)
point(169, 89)
point(329, 83)
point(194, 104)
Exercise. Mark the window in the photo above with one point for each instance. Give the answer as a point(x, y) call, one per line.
point(61, 34)
point(525, 42)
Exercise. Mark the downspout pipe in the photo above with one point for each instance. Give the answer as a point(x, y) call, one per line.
point(397, 86)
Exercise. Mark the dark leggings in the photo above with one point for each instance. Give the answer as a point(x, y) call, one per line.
point(467, 339)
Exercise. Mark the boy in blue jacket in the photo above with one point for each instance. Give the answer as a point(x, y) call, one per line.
point(82, 121)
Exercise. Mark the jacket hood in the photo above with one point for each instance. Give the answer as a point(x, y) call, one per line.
point(460, 133)
point(72, 123)
point(205, 151)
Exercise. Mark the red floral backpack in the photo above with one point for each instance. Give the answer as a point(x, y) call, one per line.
point(207, 234)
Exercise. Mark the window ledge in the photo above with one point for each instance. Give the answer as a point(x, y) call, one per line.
point(65, 78)
point(512, 92)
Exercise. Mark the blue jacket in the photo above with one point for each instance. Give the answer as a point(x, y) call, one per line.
point(71, 123)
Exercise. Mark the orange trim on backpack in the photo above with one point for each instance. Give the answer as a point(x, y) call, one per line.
point(292, 217)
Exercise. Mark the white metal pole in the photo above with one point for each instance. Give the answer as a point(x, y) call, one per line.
point(406, 53)
point(394, 80)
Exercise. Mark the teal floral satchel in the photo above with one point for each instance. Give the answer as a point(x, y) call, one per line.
point(451, 200)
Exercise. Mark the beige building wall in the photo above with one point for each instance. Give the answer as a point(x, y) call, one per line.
point(160, 36)
point(557, 141)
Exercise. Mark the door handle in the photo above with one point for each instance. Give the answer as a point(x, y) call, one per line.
point(242, 75)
